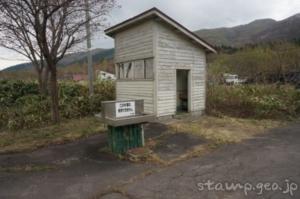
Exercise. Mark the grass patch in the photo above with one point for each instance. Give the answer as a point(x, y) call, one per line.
point(68, 130)
point(225, 130)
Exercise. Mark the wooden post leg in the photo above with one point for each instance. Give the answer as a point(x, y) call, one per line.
point(142, 134)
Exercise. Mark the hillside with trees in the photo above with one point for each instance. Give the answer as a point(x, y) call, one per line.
point(264, 63)
point(258, 31)
point(70, 59)
point(72, 63)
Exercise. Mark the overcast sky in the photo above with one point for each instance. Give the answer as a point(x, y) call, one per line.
point(194, 14)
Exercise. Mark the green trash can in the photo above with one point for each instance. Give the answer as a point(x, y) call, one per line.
point(122, 138)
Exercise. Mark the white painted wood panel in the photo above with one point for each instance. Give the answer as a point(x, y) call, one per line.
point(134, 43)
point(137, 90)
point(173, 52)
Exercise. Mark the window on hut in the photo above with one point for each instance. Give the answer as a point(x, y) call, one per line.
point(138, 69)
point(125, 70)
point(149, 69)
point(139, 72)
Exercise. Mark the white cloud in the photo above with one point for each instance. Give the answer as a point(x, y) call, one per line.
point(196, 14)
point(10, 58)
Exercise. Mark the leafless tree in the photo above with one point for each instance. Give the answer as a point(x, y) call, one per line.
point(47, 29)
point(17, 34)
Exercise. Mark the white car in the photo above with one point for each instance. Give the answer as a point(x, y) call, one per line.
point(233, 79)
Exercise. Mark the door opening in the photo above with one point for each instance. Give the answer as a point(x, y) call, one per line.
point(182, 94)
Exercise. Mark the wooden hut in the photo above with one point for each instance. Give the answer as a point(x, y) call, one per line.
point(162, 62)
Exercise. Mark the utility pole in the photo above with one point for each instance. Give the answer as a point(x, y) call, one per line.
point(88, 44)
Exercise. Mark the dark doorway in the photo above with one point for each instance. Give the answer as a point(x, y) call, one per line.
point(182, 77)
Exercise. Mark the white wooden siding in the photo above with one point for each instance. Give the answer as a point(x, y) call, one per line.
point(137, 90)
point(173, 52)
point(134, 43)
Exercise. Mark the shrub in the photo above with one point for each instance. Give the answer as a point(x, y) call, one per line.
point(3, 116)
point(11, 90)
point(256, 101)
point(76, 102)
point(29, 111)
point(23, 107)
point(75, 107)
point(106, 89)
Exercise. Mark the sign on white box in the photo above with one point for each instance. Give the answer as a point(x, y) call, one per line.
point(125, 109)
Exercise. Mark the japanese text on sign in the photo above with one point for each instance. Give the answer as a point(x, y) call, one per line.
point(125, 109)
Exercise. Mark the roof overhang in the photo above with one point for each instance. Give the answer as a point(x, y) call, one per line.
point(156, 13)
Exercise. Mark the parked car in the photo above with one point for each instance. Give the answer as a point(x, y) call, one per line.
point(233, 79)
point(102, 75)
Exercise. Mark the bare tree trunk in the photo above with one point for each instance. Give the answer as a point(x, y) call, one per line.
point(43, 74)
point(45, 79)
point(54, 95)
point(40, 81)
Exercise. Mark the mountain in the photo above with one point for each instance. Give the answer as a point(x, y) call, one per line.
point(72, 58)
point(258, 31)
point(287, 29)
